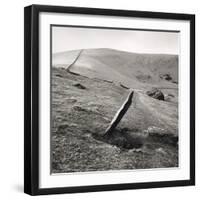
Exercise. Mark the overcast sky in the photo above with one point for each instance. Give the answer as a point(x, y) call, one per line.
point(69, 38)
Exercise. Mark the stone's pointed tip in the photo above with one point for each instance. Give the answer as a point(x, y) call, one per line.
point(131, 91)
point(131, 94)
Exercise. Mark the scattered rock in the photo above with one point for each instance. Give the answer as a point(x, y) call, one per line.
point(78, 108)
point(59, 75)
point(107, 81)
point(166, 77)
point(153, 130)
point(167, 98)
point(123, 86)
point(176, 82)
point(71, 100)
point(160, 150)
point(139, 150)
point(170, 95)
point(80, 86)
point(156, 94)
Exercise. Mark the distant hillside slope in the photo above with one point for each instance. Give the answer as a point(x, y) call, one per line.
point(131, 69)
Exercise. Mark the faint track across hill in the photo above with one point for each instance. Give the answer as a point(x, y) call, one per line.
point(158, 113)
point(167, 88)
point(75, 60)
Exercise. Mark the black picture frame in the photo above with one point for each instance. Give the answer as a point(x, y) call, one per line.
point(31, 98)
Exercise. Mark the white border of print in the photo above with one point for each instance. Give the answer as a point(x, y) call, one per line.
point(48, 180)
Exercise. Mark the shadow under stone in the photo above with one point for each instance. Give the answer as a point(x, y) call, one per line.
point(123, 138)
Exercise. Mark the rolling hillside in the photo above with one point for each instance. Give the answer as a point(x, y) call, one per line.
point(133, 70)
point(88, 88)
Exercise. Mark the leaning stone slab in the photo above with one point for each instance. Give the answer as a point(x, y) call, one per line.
point(120, 113)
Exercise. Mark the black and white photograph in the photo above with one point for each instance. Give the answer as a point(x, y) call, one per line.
point(109, 99)
point(114, 99)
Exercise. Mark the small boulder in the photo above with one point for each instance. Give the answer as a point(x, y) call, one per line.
point(80, 86)
point(156, 94)
point(161, 150)
point(166, 77)
point(156, 131)
point(170, 95)
point(176, 82)
point(59, 75)
point(123, 86)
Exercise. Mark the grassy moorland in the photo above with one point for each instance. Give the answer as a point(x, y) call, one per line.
point(85, 101)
